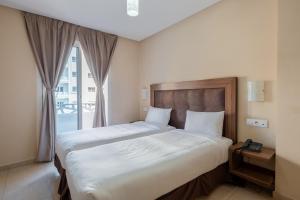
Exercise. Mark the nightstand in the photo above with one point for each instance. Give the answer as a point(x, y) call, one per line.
point(253, 173)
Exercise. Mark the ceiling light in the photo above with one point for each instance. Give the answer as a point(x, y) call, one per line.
point(133, 8)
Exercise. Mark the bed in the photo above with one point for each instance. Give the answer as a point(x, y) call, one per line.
point(171, 165)
point(82, 139)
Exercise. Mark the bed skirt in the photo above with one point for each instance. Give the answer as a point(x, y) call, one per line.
point(202, 185)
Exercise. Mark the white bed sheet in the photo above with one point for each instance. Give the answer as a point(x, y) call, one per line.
point(82, 139)
point(143, 168)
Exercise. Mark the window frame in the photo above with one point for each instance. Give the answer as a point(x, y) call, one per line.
point(79, 85)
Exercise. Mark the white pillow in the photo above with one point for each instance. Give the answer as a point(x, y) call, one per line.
point(158, 115)
point(208, 123)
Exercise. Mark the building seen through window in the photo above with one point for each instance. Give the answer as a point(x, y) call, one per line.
point(75, 95)
point(91, 89)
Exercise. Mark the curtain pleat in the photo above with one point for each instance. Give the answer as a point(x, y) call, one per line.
point(98, 49)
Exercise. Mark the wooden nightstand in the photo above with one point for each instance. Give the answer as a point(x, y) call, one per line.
point(250, 172)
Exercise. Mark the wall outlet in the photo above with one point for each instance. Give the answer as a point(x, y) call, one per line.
point(261, 123)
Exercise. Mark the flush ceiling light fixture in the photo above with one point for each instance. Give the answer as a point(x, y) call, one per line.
point(133, 8)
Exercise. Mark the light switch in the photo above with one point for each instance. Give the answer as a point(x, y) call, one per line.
point(261, 123)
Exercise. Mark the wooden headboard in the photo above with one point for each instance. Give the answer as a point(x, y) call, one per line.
point(211, 95)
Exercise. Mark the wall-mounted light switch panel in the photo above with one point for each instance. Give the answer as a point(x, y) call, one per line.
point(261, 123)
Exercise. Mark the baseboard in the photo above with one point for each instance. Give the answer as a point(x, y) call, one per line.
point(18, 164)
point(278, 196)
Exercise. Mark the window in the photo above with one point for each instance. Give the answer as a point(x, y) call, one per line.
point(74, 89)
point(60, 103)
point(60, 89)
point(75, 95)
point(91, 89)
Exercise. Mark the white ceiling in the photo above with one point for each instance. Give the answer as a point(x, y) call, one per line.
point(110, 15)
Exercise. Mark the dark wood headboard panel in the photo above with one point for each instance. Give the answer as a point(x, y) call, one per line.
point(204, 95)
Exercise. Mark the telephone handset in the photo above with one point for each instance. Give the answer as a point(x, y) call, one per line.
point(251, 146)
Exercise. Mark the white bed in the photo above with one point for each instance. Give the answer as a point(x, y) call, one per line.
point(143, 168)
point(82, 139)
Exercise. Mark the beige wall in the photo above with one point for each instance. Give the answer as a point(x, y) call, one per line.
point(288, 137)
point(232, 38)
point(20, 89)
point(124, 83)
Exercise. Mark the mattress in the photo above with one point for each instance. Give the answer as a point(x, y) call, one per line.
point(82, 139)
point(143, 168)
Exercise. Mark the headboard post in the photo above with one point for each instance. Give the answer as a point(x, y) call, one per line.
point(203, 95)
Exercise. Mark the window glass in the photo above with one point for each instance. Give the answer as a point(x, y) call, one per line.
point(67, 97)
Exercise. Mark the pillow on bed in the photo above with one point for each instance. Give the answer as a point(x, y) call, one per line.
point(208, 123)
point(158, 115)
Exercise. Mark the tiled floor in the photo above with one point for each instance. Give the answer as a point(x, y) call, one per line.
point(31, 182)
point(40, 182)
point(230, 192)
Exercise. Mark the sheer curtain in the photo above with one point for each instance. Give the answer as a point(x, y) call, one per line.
point(51, 41)
point(98, 48)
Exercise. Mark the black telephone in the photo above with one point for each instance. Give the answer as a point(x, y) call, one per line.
point(251, 146)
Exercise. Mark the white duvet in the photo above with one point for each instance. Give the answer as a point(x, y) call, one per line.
point(82, 139)
point(143, 168)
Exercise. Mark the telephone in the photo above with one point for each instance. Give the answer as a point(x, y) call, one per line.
point(251, 146)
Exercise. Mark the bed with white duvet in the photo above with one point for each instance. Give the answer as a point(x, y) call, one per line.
point(143, 168)
point(82, 139)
